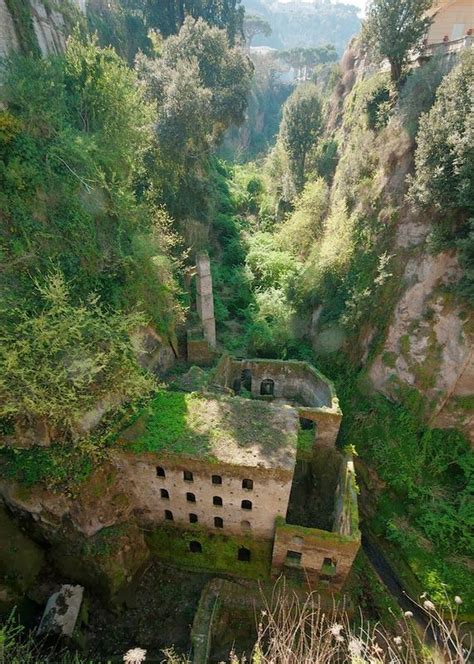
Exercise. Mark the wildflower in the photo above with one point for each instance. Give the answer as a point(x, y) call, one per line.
point(135, 656)
point(423, 595)
point(355, 648)
point(397, 640)
point(457, 600)
point(429, 606)
point(408, 614)
point(336, 629)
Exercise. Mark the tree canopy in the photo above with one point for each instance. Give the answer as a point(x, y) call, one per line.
point(395, 27)
point(301, 125)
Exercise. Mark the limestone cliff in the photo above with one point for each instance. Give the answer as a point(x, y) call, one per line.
point(420, 334)
point(37, 25)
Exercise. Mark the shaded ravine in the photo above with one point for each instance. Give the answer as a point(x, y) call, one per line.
point(392, 583)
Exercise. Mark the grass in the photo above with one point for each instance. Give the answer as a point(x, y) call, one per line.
point(211, 428)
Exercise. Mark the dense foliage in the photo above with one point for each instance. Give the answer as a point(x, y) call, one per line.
point(125, 24)
point(394, 28)
point(58, 363)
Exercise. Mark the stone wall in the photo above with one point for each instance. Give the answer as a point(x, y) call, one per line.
point(324, 558)
point(269, 494)
point(298, 382)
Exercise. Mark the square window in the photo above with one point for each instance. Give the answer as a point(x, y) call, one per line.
point(217, 500)
point(216, 479)
point(188, 476)
point(193, 518)
point(293, 559)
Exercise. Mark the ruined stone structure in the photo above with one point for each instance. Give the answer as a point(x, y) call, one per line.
point(229, 494)
point(201, 340)
point(204, 297)
point(295, 383)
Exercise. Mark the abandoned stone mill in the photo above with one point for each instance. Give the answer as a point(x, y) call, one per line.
point(231, 471)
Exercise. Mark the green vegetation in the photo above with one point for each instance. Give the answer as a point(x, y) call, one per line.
point(299, 129)
point(58, 468)
point(219, 552)
point(211, 427)
point(394, 28)
point(55, 365)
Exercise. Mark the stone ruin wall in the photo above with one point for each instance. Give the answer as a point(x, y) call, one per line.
point(324, 557)
point(315, 548)
point(293, 381)
point(269, 495)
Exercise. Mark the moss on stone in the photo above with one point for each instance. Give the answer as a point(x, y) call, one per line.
point(170, 544)
point(225, 429)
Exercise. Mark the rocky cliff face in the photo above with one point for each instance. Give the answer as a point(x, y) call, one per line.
point(50, 22)
point(428, 341)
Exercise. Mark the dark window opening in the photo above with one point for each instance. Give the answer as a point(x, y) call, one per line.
point(164, 494)
point(243, 555)
point(217, 500)
point(216, 479)
point(160, 472)
point(195, 547)
point(293, 559)
point(246, 504)
point(246, 380)
point(306, 424)
point(193, 518)
point(328, 568)
point(190, 497)
point(236, 385)
point(267, 387)
point(168, 515)
point(245, 525)
point(187, 476)
point(218, 522)
point(247, 484)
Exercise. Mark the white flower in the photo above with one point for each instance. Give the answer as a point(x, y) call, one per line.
point(397, 640)
point(458, 600)
point(429, 606)
point(423, 595)
point(336, 629)
point(408, 614)
point(135, 656)
point(355, 647)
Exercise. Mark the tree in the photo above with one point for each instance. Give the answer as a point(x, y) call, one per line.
point(444, 157)
point(255, 25)
point(300, 127)
point(395, 27)
point(58, 363)
point(168, 16)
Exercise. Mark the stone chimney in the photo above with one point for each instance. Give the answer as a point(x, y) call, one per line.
point(204, 297)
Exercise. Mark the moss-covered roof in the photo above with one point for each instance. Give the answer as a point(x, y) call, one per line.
point(223, 429)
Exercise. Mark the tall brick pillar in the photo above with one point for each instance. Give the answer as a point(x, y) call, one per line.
point(204, 297)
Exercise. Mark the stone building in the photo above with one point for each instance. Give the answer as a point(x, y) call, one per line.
point(222, 483)
point(452, 20)
point(291, 382)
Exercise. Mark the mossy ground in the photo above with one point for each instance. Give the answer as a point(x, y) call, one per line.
point(202, 427)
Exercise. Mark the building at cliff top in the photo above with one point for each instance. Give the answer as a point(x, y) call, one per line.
point(234, 485)
point(452, 20)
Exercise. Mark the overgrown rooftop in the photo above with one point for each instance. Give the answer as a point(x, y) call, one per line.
point(226, 429)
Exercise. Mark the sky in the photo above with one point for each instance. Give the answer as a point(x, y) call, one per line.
point(359, 3)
